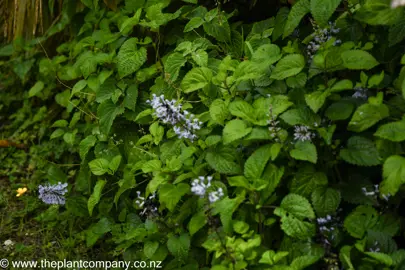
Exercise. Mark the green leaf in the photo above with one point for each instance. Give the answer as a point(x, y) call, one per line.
point(358, 59)
point(323, 10)
point(222, 160)
point(152, 166)
point(360, 151)
point(393, 175)
point(380, 257)
point(270, 257)
point(193, 24)
point(225, 208)
point(196, 79)
point(242, 109)
point(304, 151)
point(179, 246)
point(302, 262)
point(197, 222)
point(325, 201)
point(157, 132)
point(256, 163)
point(218, 28)
point(128, 24)
point(297, 206)
point(394, 131)
point(173, 65)
point(131, 97)
point(150, 248)
point(298, 11)
point(288, 66)
point(36, 89)
point(366, 116)
point(219, 111)
point(396, 33)
point(316, 99)
point(60, 123)
point(363, 218)
point(267, 54)
point(107, 112)
point(340, 110)
point(293, 209)
point(239, 181)
point(115, 163)
point(200, 57)
point(57, 133)
point(306, 180)
point(281, 20)
point(99, 166)
point(234, 130)
point(298, 81)
point(129, 58)
point(170, 194)
point(85, 145)
point(96, 195)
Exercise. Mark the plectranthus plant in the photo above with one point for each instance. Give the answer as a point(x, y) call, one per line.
point(303, 133)
point(53, 194)
point(202, 187)
point(170, 112)
point(148, 205)
point(320, 36)
point(360, 93)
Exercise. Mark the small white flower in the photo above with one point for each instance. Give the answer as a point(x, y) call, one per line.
point(302, 133)
point(397, 3)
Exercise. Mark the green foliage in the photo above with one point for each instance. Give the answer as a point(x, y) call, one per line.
point(190, 136)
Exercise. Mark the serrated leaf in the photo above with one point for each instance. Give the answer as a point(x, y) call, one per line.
point(179, 246)
point(256, 163)
point(393, 174)
point(234, 130)
point(267, 54)
point(150, 248)
point(360, 151)
point(96, 195)
point(85, 145)
point(366, 116)
point(360, 220)
point(115, 163)
point(200, 57)
point(130, 58)
point(358, 59)
point(325, 201)
point(339, 110)
point(306, 180)
point(380, 257)
point(107, 112)
point(394, 131)
point(219, 111)
point(218, 28)
point(173, 65)
point(197, 222)
point(131, 97)
point(193, 24)
point(302, 262)
point(170, 194)
point(298, 11)
point(304, 151)
point(396, 33)
point(225, 208)
point(222, 160)
point(297, 206)
point(196, 79)
point(323, 10)
point(288, 66)
point(99, 166)
point(315, 100)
